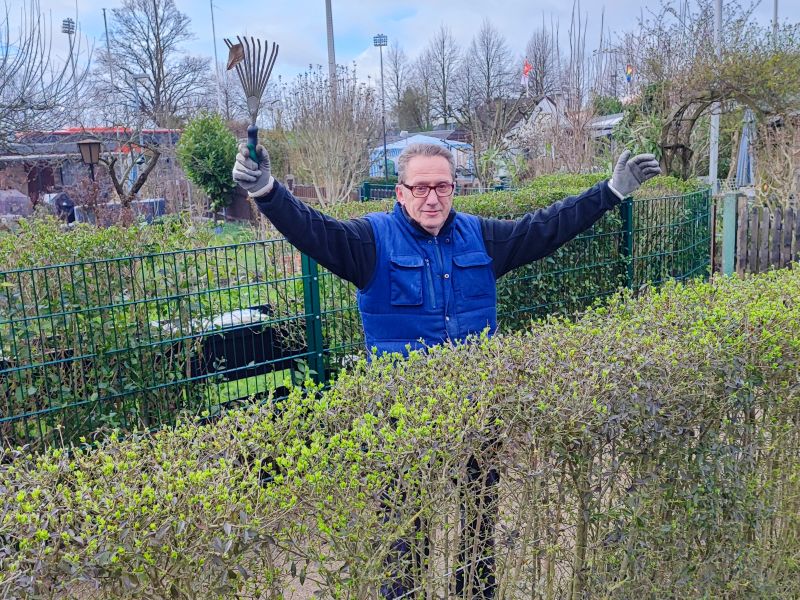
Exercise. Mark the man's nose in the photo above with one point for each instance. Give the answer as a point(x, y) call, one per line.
point(432, 197)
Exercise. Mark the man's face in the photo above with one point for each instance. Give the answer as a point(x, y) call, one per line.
point(431, 211)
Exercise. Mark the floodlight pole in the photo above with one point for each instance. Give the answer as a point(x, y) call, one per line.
point(380, 41)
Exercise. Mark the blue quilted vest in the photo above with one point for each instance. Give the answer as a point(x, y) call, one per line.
point(427, 289)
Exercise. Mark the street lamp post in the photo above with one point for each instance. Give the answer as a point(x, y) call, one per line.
point(90, 153)
point(380, 41)
point(139, 107)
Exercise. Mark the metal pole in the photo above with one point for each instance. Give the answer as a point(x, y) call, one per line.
point(775, 20)
point(141, 119)
point(216, 59)
point(74, 77)
point(380, 41)
point(713, 158)
point(108, 49)
point(69, 26)
point(331, 53)
point(383, 120)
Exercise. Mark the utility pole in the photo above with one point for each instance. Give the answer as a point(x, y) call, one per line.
point(331, 53)
point(775, 21)
point(216, 60)
point(108, 50)
point(110, 65)
point(715, 108)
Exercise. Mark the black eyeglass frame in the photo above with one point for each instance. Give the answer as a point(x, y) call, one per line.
point(429, 188)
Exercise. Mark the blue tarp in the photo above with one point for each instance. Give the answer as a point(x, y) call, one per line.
point(744, 165)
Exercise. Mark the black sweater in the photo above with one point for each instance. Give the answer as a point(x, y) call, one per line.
point(347, 248)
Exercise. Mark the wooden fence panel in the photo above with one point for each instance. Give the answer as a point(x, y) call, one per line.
point(764, 222)
point(752, 246)
point(776, 239)
point(796, 250)
point(766, 237)
point(788, 228)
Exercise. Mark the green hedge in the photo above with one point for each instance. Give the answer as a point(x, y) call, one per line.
point(44, 241)
point(539, 193)
point(649, 449)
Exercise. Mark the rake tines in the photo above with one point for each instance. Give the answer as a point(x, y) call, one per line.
point(254, 64)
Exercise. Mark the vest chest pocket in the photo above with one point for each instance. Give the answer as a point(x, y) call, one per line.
point(405, 275)
point(473, 276)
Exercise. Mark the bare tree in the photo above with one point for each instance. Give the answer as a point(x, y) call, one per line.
point(489, 61)
point(489, 125)
point(487, 100)
point(140, 161)
point(147, 67)
point(440, 60)
point(570, 130)
point(418, 96)
point(398, 73)
point(541, 53)
point(37, 91)
point(331, 134)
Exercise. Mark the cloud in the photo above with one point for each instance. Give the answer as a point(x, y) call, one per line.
point(299, 26)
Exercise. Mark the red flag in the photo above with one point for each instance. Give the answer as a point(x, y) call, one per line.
point(526, 69)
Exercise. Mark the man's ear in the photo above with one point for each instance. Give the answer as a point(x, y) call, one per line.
point(400, 191)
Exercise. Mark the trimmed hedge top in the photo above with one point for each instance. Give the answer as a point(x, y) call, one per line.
point(648, 449)
point(540, 193)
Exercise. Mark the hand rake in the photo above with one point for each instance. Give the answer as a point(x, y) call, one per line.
point(254, 66)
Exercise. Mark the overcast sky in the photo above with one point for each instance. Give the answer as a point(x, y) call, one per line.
point(299, 25)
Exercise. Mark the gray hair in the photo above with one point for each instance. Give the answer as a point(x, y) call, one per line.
point(423, 150)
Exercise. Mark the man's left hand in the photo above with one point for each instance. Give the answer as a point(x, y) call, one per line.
point(630, 173)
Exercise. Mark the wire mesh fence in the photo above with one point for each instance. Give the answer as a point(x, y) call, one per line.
point(137, 341)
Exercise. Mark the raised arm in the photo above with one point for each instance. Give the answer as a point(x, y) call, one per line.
point(346, 248)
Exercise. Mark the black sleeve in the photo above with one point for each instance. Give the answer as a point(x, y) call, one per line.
point(537, 234)
point(345, 248)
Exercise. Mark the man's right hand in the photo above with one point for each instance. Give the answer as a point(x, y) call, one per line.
point(255, 178)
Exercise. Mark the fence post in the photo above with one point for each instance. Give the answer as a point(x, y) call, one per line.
point(313, 314)
point(729, 209)
point(627, 238)
point(365, 191)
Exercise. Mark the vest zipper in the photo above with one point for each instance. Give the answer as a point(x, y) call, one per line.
point(431, 291)
point(438, 253)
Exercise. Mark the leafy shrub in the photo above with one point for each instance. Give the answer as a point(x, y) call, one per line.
point(648, 449)
point(206, 151)
point(44, 241)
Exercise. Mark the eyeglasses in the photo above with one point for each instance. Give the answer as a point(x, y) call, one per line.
point(421, 191)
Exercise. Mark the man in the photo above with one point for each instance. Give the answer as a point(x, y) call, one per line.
point(426, 274)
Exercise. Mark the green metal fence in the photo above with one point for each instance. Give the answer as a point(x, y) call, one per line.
point(134, 342)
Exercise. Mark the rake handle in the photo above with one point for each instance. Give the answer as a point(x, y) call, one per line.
point(252, 142)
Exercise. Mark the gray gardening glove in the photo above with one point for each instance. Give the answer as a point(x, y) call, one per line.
point(255, 178)
point(630, 173)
